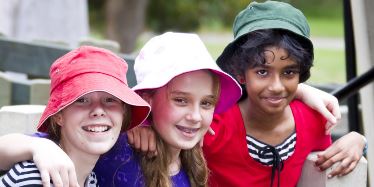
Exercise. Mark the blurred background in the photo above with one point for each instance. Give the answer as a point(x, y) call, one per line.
point(125, 25)
point(133, 22)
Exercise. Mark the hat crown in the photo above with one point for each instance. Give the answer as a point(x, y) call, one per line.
point(170, 54)
point(270, 15)
point(87, 59)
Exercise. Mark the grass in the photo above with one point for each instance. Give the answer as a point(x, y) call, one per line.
point(326, 27)
point(329, 67)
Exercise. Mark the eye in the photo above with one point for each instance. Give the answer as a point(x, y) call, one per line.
point(180, 100)
point(82, 100)
point(290, 73)
point(209, 103)
point(111, 100)
point(262, 72)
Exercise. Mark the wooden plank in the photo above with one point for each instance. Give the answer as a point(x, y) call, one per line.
point(35, 59)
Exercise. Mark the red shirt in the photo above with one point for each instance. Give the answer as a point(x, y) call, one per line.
point(230, 163)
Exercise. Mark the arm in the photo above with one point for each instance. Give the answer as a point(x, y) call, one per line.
point(51, 161)
point(323, 102)
point(143, 138)
point(347, 150)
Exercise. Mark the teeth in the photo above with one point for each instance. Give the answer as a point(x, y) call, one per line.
point(97, 128)
point(187, 130)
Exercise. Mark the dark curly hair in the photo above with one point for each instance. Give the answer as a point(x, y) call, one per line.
point(248, 52)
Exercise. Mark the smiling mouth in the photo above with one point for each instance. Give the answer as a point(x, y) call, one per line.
point(96, 128)
point(187, 130)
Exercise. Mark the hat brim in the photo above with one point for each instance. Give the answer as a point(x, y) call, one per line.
point(230, 90)
point(72, 89)
point(261, 25)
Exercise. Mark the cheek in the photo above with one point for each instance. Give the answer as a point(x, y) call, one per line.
point(207, 118)
point(292, 85)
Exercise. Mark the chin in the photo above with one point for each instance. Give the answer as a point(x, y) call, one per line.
point(99, 148)
point(187, 145)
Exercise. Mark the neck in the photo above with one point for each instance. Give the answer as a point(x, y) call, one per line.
point(269, 128)
point(83, 163)
point(259, 118)
point(175, 163)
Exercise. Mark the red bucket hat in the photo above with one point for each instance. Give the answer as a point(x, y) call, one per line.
point(88, 69)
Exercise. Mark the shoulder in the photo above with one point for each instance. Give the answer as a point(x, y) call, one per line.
point(22, 174)
point(229, 115)
point(307, 119)
point(181, 179)
point(300, 109)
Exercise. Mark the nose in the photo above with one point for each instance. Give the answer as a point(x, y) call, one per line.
point(97, 110)
point(195, 114)
point(276, 84)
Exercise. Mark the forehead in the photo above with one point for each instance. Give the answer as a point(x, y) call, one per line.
point(277, 56)
point(191, 82)
point(98, 93)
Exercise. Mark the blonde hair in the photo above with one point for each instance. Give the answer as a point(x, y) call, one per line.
point(156, 169)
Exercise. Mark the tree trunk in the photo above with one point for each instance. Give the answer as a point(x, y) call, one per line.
point(125, 21)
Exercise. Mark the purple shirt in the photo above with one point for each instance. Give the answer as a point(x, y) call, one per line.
point(120, 167)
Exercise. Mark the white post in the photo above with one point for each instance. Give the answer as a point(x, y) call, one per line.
point(311, 177)
point(363, 26)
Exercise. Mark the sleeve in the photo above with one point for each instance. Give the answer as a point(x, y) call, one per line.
point(22, 174)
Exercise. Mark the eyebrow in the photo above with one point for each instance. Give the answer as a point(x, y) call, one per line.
point(181, 93)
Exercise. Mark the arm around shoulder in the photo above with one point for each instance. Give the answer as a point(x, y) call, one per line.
point(11, 154)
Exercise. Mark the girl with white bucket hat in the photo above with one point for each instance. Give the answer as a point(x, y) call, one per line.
point(182, 83)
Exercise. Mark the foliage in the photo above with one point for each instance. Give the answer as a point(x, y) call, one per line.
point(190, 15)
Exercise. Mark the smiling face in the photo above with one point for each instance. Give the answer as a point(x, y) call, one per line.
point(272, 85)
point(183, 109)
point(91, 124)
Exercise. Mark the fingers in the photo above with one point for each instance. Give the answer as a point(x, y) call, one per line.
point(45, 178)
point(326, 159)
point(137, 140)
point(56, 178)
point(64, 178)
point(334, 107)
point(73, 181)
point(130, 137)
point(144, 140)
point(210, 131)
point(343, 168)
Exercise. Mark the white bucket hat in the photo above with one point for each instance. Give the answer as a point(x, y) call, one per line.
point(171, 54)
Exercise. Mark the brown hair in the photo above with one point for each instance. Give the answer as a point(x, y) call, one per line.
point(156, 169)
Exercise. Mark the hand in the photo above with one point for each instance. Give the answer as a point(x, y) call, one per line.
point(347, 150)
point(323, 102)
point(143, 138)
point(53, 163)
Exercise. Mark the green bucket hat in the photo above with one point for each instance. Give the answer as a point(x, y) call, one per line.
point(267, 15)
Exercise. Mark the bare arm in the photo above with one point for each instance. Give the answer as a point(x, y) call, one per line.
point(323, 102)
point(52, 162)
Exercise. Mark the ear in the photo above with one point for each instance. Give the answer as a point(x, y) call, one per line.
point(241, 79)
point(57, 118)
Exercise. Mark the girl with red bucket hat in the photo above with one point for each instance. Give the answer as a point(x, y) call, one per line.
point(89, 105)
